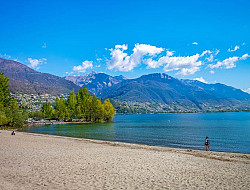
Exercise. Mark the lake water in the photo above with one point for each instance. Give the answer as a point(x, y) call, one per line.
point(227, 131)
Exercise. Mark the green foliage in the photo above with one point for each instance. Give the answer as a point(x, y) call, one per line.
point(10, 113)
point(17, 119)
point(71, 103)
point(36, 115)
point(83, 104)
point(47, 110)
point(94, 104)
point(82, 107)
point(61, 109)
point(5, 97)
point(3, 117)
point(109, 111)
point(99, 114)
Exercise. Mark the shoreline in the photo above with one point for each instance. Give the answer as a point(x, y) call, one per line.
point(222, 111)
point(40, 161)
point(216, 155)
point(98, 141)
point(58, 123)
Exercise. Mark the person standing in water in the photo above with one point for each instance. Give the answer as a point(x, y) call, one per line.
point(207, 144)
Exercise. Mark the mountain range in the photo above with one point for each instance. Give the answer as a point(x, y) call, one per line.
point(26, 80)
point(96, 82)
point(164, 92)
point(157, 92)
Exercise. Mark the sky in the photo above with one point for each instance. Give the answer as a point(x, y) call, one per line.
point(206, 40)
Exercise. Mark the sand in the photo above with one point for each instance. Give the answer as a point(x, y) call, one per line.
point(34, 161)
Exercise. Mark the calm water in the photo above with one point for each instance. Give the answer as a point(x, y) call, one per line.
point(227, 131)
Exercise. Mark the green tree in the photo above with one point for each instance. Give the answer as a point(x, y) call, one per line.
point(109, 111)
point(82, 106)
point(54, 114)
point(71, 103)
point(15, 115)
point(94, 107)
point(61, 109)
point(99, 111)
point(3, 118)
point(83, 103)
point(36, 115)
point(47, 110)
point(5, 97)
point(89, 109)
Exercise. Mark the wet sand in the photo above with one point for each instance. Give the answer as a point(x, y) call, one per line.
point(35, 161)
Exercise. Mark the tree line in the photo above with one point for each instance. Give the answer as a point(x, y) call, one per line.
point(78, 107)
point(10, 113)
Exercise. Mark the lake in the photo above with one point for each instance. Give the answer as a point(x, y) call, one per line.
point(227, 131)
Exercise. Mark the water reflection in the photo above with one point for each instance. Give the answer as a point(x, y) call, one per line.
point(102, 131)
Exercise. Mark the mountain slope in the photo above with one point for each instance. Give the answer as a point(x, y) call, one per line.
point(182, 94)
point(26, 80)
point(96, 82)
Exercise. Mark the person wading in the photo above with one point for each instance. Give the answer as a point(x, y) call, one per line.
point(207, 144)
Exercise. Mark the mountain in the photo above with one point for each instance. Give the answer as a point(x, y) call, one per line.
point(156, 92)
point(96, 82)
point(26, 80)
point(160, 92)
point(171, 94)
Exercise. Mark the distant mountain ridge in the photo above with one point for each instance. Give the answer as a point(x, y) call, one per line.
point(26, 80)
point(168, 93)
point(96, 82)
point(157, 92)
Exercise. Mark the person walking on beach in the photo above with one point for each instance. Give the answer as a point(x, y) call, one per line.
point(207, 144)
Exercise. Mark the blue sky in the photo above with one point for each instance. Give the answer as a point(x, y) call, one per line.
point(203, 39)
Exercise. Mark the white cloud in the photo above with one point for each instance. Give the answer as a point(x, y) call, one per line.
point(235, 49)
point(244, 56)
point(186, 65)
point(155, 57)
point(210, 55)
point(97, 66)
point(35, 63)
point(170, 53)
point(123, 47)
point(195, 43)
point(206, 52)
point(142, 53)
point(121, 61)
point(228, 63)
point(179, 62)
point(201, 79)
point(188, 71)
point(243, 44)
point(247, 90)
point(210, 59)
point(82, 68)
point(217, 52)
point(44, 45)
point(212, 72)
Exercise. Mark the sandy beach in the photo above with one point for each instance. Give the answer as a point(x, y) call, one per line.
point(34, 161)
